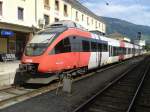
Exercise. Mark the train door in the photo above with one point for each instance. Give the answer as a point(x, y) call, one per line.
point(97, 51)
point(96, 48)
point(94, 60)
point(99, 54)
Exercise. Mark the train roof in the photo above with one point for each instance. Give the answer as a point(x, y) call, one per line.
point(52, 30)
point(110, 39)
point(60, 26)
point(67, 24)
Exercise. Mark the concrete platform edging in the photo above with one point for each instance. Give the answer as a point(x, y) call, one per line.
point(7, 72)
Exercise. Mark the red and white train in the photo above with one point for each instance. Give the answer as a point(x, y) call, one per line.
point(65, 46)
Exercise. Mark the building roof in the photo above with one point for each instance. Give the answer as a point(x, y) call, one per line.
point(84, 9)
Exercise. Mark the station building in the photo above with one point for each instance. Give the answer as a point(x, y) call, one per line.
point(20, 18)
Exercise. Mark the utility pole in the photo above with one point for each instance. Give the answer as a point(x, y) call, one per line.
point(139, 35)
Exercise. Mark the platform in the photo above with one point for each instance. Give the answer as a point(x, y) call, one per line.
point(7, 72)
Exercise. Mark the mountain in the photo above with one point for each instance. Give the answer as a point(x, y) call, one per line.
point(126, 28)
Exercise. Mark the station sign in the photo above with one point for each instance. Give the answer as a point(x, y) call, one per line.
point(7, 33)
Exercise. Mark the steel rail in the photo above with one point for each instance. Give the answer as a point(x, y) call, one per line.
point(88, 102)
point(138, 88)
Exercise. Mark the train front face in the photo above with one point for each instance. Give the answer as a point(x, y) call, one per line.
point(35, 57)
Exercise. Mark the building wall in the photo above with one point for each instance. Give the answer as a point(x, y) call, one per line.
point(9, 22)
point(3, 45)
point(72, 16)
point(34, 11)
point(10, 12)
point(33, 14)
point(140, 42)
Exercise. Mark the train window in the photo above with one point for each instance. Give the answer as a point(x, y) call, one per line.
point(115, 51)
point(120, 51)
point(63, 46)
point(93, 46)
point(85, 46)
point(125, 52)
point(109, 50)
point(58, 47)
point(99, 47)
point(104, 48)
point(76, 44)
point(129, 51)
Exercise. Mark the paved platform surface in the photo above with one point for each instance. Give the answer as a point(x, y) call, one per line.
point(7, 72)
point(49, 102)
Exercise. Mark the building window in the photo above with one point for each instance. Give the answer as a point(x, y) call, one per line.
point(103, 27)
point(1, 8)
point(99, 25)
point(82, 17)
point(56, 19)
point(92, 21)
point(20, 13)
point(46, 2)
point(77, 19)
point(56, 5)
point(96, 24)
point(87, 20)
point(65, 10)
point(46, 17)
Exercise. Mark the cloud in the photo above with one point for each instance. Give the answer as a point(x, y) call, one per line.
point(136, 13)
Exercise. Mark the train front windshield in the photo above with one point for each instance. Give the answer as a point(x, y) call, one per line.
point(39, 43)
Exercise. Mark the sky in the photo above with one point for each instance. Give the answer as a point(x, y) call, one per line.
point(135, 11)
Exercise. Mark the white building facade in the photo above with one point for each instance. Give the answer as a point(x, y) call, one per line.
point(18, 19)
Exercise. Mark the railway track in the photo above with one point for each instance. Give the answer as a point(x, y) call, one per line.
point(120, 95)
point(13, 95)
point(142, 101)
